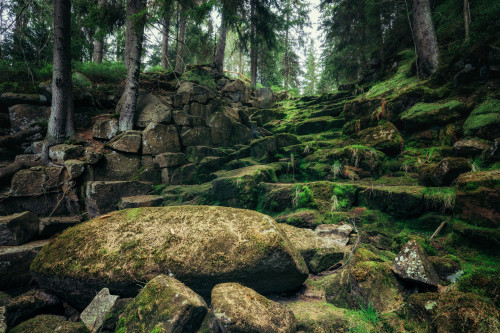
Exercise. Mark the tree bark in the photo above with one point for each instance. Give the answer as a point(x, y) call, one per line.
point(466, 19)
point(60, 120)
point(133, 46)
point(179, 61)
point(221, 47)
point(286, 60)
point(98, 52)
point(253, 47)
point(425, 38)
point(164, 41)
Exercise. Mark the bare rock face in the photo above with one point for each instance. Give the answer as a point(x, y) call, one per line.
point(36, 181)
point(241, 309)
point(60, 153)
point(164, 305)
point(105, 129)
point(17, 229)
point(470, 147)
point(95, 313)
point(49, 323)
point(158, 139)
point(201, 246)
point(22, 116)
point(128, 142)
point(141, 201)
point(412, 264)
point(152, 109)
point(75, 168)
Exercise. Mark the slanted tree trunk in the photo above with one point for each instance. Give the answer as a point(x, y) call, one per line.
point(425, 38)
point(164, 41)
point(221, 47)
point(133, 46)
point(253, 47)
point(179, 61)
point(98, 52)
point(61, 116)
point(466, 19)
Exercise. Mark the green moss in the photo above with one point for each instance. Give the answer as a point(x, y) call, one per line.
point(482, 281)
point(305, 198)
point(486, 114)
point(49, 323)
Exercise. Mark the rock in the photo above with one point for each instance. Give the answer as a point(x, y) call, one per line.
point(448, 170)
point(104, 196)
point(477, 198)
point(300, 219)
point(22, 116)
point(265, 97)
point(319, 251)
point(196, 136)
point(286, 139)
point(104, 128)
point(181, 118)
point(319, 124)
point(75, 168)
point(197, 153)
point(168, 160)
point(400, 201)
point(241, 309)
point(264, 148)
point(17, 229)
point(3, 324)
point(201, 246)
point(226, 131)
point(454, 312)
point(49, 323)
point(152, 109)
point(192, 92)
point(236, 91)
point(128, 142)
point(385, 138)
point(10, 99)
point(36, 180)
point(113, 316)
point(49, 226)
point(164, 305)
point(470, 147)
point(141, 201)
point(338, 233)
point(484, 121)
point(15, 264)
point(185, 174)
point(158, 139)
point(446, 268)
point(92, 155)
point(421, 116)
point(60, 153)
point(94, 314)
point(31, 304)
point(493, 153)
point(413, 265)
point(118, 166)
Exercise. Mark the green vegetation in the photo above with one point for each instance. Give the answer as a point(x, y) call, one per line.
point(485, 115)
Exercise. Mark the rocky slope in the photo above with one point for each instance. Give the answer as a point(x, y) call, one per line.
point(387, 195)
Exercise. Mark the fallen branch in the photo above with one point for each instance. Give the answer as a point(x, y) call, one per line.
point(437, 231)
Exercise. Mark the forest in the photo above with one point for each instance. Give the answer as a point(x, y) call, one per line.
point(249, 166)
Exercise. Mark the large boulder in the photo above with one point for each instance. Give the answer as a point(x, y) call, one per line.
point(470, 147)
point(158, 139)
point(201, 246)
point(385, 138)
point(422, 116)
point(236, 91)
point(49, 323)
point(17, 229)
point(36, 181)
point(239, 309)
point(95, 313)
point(128, 142)
point(226, 131)
point(118, 166)
point(196, 136)
point(63, 152)
point(448, 170)
point(164, 305)
point(478, 197)
point(105, 128)
point(484, 121)
point(22, 116)
point(10, 98)
point(400, 201)
point(152, 109)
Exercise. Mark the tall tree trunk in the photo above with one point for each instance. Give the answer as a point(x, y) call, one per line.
point(61, 116)
point(253, 47)
point(425, 38)
point(286, 60)
point(98, 42)
point(221, 47)
point(133, 46)
point(466, 19)
point(179, 60)
point(164, 41)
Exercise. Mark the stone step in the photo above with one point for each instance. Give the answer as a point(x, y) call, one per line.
point(49, 226)
point(320, 124)
point(18, 228)
point(141, 201)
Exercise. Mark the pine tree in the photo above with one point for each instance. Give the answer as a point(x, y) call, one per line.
point(311, 75)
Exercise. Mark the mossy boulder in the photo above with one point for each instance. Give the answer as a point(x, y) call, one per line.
point(320, 124)
point(484, 121)
point(302, 218)
point(163, 305)
point(478, 197)
point(200, 245)
point(483, 281)
point(482, 237)
point(424, 115)
point(400, 201)
point(49, 323)
point(454, 312)
point(239, 309)
point(385, 138)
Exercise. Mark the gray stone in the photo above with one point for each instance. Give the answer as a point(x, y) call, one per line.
point(105, 128)
point(3, 323)
point(118, 166)
point(196, 136)
point(181, 118)
point(17, 229)
point(35, 181)
point(264, 148)
point(236, 91)
point(152, 109)
point(168, 160)
point(470, 147)
point(141, 201)
point(22, 116)
point(75, 168)
point(31, 304)
point(128, 142)
point(200, 110)
point(412, 264)
point(49, 226)
point(60, 153)
point(92, 155)
point(158, 139)
point(94, 314)
point(104, 196)
point(10, 99)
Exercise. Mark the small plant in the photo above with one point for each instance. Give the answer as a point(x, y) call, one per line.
point(369, 313)
point(336, 169)
point(303, 197)
point(476, 164)
point(335, 203)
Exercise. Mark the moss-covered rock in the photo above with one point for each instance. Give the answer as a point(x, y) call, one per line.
point(424, 115)
point(484, 121)
point(400, 201)
point(478, 236)
point(200, 245)
point(320, 124)
point(413, 265)
point(484, 282)
point(385, 138)
point(302, 218)
point(241, 309)
point(49, 323)
point(163, 305)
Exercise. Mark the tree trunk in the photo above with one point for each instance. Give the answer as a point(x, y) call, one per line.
point(425, 38)
point(221, 47)
point(286, 60)
point(98, 39)
point(253, 47)
point(179, 61)
point(133, 46)
point(164, 41)
point(466, 19)
point(62, 97)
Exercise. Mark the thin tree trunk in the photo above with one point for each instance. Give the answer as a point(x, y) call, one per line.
point(164, 41)
point(179, 61)
point(466, 19)
point(98, 42)
point(62, 97)
point(221, 47)
point(253, 47)
point(425, 38)
point(135, 35)
point(286, 59)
